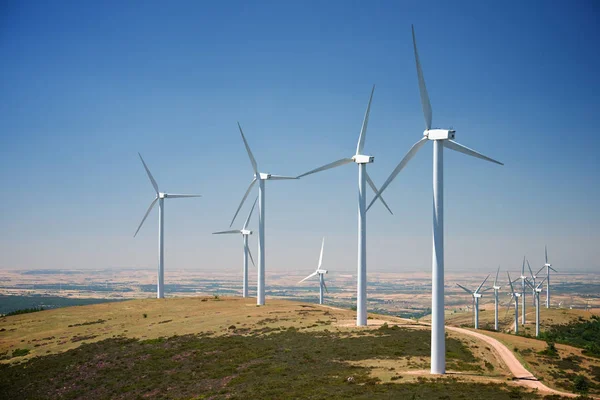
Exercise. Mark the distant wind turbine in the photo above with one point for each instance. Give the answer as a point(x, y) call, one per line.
point(441, 138)
point(496, 288)
point(245, 234)
point(548, 267)
point(533, 278)
point(363, 179)
point(160, 197)
point(261, 177)
point(515, 296)
point(476, 295)
point(537, 289)
point(321, 273)
point(523, 290)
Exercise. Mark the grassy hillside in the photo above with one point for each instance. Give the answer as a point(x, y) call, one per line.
point(229, 348)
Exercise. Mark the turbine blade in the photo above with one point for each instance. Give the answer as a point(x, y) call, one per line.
point(546, 251)
point(310, 276)
point(512, 289)
point(325, 286)
point(452, 145)
point(496, 280)
point(252, 160)
point(146, 216)
point(243, 199)
point(250, 214)
point(328, 166)
point(553, 269)
point(281, 177)
point(154, 184)
point(465, 289)
point(530, 271)
point(227, 232)
point(529, 283)
point(523, 267)
point(250, 254)
point(542, 282)
point(411, 153)
point(539, 270)
point(482, 283)
point(181, 196)
point(375, 190)
point(321, 256)
point(363, 130)
point(427, 113)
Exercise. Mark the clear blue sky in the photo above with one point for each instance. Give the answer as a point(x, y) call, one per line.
point(86, 85)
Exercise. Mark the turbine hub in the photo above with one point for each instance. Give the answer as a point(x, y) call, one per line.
point(362, 159)
point(163, 195)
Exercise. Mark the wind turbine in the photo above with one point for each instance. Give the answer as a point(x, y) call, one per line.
point(363, 179)
point(245, 233)
point(476, 295)
point(523, 289)
point(261, 177)
point(537, 289)
point(533, 278)
point(548, 267)
point(441, 138)
point(160, 198)
point(321, 273)
point(496, 289)
point(515, 296)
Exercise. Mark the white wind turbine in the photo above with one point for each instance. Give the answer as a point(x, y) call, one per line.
point(160, 197)
point(441, 138)
point(515, 296)
point(476, 295)
point(496, 288)
point(261, 177)
point(548, 267)
point(533, 278)
point(523, 290)
point(363, 179)
point(536, 290)
point(245, 234)
point(321, 273)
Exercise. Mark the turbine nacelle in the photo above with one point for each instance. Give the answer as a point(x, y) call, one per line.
point(263, 176)
point(439, 134)
point(321, 271)
point(496, 287)
point(547, 265)
point(246, 232)
point(477, 295)
point(362, 159)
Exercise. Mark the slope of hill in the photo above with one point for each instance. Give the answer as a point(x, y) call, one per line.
point(229, 348)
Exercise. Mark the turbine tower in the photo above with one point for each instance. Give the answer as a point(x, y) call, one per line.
point(537, 289)
point(496, 289)
point(321, 273)
point(548, 267)
point(515, 296)
point(476, 295)
point(160, 197)
point(441, 138)
point(261, 177)
point(363, 179)
point(245, 234)
point(523, 289)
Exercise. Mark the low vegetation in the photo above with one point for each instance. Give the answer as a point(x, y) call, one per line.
point(584, 334)
point(286, 364)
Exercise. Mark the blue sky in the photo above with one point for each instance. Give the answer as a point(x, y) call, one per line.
point(86, 85)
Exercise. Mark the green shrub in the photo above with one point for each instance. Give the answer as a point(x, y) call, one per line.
point(20, 352)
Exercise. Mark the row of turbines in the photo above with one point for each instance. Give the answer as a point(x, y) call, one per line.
point(441, 138)
point(527, 283)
